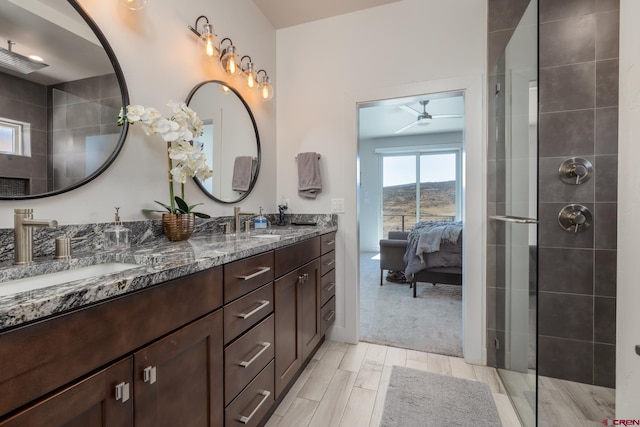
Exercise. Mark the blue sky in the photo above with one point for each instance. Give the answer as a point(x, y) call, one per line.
point(433, 168)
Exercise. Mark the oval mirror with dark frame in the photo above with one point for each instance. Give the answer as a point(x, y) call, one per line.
point(230, 141)
point(57, 112)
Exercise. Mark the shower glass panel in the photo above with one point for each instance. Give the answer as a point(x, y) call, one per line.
point(516, 132)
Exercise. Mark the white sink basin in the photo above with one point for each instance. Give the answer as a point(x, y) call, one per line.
point(52, 279)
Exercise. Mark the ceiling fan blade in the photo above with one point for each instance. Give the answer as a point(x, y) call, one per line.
point(403, 128)
point(447, 116)
point(410, 110)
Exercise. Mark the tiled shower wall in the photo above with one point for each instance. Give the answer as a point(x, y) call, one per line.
point(578, 91)
point(578, 84)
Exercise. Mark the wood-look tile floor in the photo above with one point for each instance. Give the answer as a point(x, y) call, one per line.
point(345, 385)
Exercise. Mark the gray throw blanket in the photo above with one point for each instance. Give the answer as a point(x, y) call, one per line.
point(426, 238)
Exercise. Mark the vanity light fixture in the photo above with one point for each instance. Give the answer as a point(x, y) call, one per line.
point(266, 90)
point(249, 72)
point(229, 58)
point(206, 38)
point(134, 4)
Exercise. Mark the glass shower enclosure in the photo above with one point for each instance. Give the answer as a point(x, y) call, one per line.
point(516, 215)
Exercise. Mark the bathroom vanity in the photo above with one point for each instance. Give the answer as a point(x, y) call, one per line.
point(208, 332)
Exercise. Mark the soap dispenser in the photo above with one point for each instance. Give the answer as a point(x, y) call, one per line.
point(260, 221)
point(117, 236)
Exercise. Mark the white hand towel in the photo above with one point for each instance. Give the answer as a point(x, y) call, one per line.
point(309, 182)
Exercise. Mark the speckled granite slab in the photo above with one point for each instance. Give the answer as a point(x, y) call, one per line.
point(159, 260)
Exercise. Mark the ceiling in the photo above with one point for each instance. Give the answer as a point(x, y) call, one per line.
point(382, 119)
point(287, 13)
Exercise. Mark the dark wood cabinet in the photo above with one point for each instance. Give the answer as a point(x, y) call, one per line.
point(178, 378)
point(310, 326)
point(90, 402)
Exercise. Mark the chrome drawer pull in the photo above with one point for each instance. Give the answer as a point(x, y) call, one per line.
point(149, 374)
point(330, 286)
point(122, 392)
point(257, 273)
point(266, 394)
point(330, 262)
point(330, 242)
point(265, 345)
point(262, 305)
point(330, 317)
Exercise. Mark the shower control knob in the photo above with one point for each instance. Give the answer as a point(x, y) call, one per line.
point(575, 171)
point(575, 218)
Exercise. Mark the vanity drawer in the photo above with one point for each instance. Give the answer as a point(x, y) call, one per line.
point(245, 312)
point(328, 314)
point(246, 275)
point(246, 357)
point(327, 262)
point(327, 287)
point(327, 242)
point(293, 256)
point(253, 404)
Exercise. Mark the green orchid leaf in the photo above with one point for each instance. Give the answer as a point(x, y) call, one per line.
point(167, 207)
point(182, 205)
point(201, 215)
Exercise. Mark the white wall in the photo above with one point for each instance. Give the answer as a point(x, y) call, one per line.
point(628, 298)
point(371, 179)
point(326, 67)
point(160, 60)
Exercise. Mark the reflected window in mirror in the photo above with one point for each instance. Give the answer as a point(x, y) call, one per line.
point(66, 106)
point(230, 141)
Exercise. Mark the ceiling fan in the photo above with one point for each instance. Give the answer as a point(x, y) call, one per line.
point(423, 118)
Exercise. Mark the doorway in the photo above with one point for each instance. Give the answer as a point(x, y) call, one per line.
point(410, 172)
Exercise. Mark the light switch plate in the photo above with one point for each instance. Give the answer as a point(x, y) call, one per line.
point(337, 205)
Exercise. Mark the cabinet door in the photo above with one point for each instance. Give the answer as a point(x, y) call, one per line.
point(88, 403)
point(178, 380)
point(310, 324)
point(287, 304)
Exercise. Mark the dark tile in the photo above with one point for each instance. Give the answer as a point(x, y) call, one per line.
point(565, 316)
point(505, 13)
point(605, 5)
point(497, 42)
point(607, 83)
point(552, 10)
point(551, 235)
point(553, 189)
point(109, 86)
point(491, 266)
point(605, 225)
point(605, 273)
point(565, 270)
point(491, 350)
point(22, 90)
point(83, 114)
point(568, 41)
point(38, 142)
point(607, 34)
point(607, 130)
point(565, 359)
point(604, 365)
point(566, 133)
point(604, 320)
point(568, 87)
point(606, 178)
point(491, 307)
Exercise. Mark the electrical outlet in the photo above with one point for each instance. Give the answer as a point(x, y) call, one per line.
point(337, 205)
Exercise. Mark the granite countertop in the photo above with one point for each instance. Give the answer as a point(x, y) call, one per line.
point(158, 261)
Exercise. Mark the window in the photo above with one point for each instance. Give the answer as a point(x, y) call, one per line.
point(420, 186)
point(14, 137)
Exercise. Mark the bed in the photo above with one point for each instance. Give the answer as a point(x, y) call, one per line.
point(434, 253)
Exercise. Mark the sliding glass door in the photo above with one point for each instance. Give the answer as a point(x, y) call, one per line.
point(421, 186)
point(516, 223)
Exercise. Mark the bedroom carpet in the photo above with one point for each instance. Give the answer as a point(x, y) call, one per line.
point(418, 398)
point(390, 315)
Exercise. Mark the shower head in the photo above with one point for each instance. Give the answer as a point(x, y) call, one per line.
point(16, 62)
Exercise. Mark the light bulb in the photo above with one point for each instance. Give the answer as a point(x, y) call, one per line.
point(134, 4)
point(208, 41)
point(224, 89)
point(229, 59)
point(251, 75)
point(266, 90)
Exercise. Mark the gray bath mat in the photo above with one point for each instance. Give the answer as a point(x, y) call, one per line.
point(421, 399)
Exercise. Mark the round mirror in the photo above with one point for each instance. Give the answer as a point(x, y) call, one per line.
point(61, 89)
point(230, 141)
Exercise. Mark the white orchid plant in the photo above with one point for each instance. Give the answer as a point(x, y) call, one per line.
point(185, 160)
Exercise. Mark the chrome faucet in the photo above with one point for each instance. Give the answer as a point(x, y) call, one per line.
point(23, 224)
point(236, 217)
